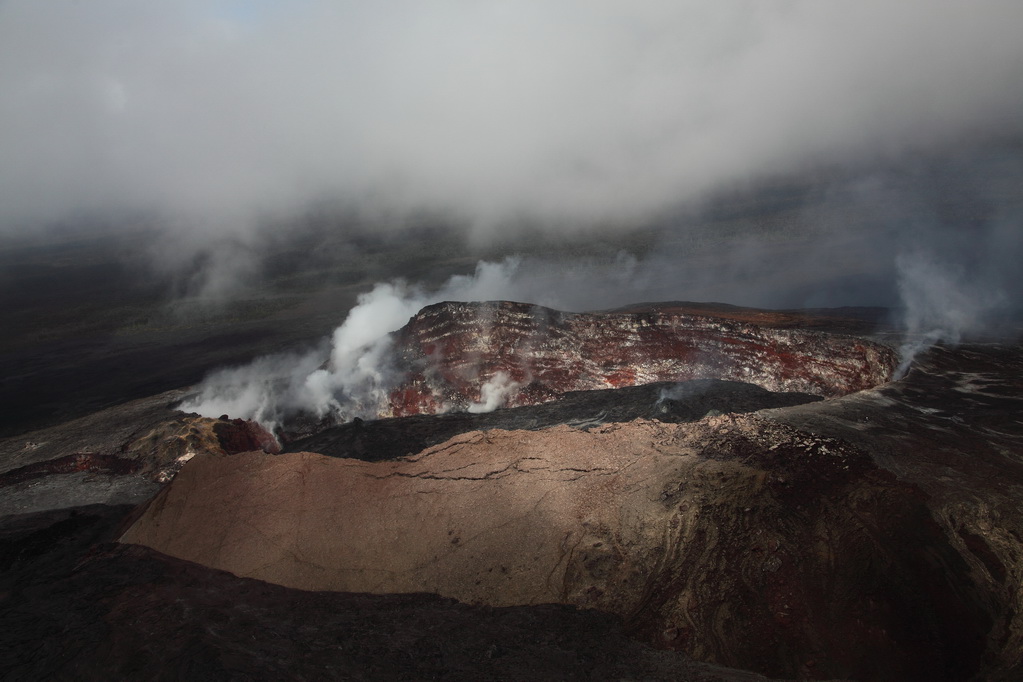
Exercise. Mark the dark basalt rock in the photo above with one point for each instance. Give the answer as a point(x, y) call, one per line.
point(118, 456)
point(952, 428)
point(145, 437)
point(79, 461)
point(665, 401)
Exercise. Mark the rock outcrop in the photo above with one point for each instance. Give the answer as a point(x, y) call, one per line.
point(697, 534)
point(450, 355)
point(77, 608)
point(952, 429)
point(121, 455)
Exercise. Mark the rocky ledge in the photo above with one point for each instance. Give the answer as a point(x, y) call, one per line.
point(122, 455)
point(735, 539)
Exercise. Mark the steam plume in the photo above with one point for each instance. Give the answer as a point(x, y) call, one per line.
point(227, 122)
point(940, 305)
point(494, 393)
point(356, 378)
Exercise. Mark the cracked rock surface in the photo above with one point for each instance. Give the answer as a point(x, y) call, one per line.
point(696, 534)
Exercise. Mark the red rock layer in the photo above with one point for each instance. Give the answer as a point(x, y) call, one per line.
point(448, 351)
point(69, 464)
point(240, 435)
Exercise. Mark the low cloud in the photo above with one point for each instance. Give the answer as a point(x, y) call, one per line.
point(880, 144)
point(571, 112)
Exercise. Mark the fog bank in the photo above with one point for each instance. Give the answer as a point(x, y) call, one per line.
point(568, 111)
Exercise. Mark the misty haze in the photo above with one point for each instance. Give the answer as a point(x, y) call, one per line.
point(743, 241)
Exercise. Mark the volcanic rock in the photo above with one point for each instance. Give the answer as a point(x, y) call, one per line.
point(873, 535)
point(242, 435)
point(696, 534)
point(952, 428)
point(121, 455)
point(668, 402)
point(449, 353)
point(77, 608)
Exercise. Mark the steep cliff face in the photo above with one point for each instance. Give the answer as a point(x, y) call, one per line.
point(456, 355)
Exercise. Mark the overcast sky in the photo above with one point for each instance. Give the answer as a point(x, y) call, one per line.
point(560, 108)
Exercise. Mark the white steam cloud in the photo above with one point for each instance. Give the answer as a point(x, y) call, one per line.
point(356, 378)
point(223, 119)
point(940, 305)
point(494, 393)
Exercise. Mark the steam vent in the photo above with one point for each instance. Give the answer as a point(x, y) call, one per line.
point(669, 491)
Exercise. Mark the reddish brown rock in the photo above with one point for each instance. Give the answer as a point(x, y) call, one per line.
point(952, 428)
point(740, 541)
point(448, 351)
point(242, 435)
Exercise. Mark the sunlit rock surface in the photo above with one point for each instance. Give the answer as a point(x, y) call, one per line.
point(449, 352)
point(697, 534)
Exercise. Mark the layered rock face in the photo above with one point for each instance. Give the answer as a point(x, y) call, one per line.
point(870, 536)
point(453, 355)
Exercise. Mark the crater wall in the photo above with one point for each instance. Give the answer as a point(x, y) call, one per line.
point(448, 352)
